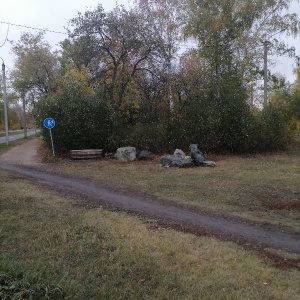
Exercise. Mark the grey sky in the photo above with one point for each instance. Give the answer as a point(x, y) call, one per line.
point(55, 14)
point(48, 14)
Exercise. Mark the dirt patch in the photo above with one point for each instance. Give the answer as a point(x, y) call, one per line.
point(24, 154)
point(273, 202)
point(281, 204)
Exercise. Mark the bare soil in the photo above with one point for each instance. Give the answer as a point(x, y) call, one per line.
point(24, 154)
point(24, 160)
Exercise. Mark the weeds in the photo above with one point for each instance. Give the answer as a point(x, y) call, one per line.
point(18, 287)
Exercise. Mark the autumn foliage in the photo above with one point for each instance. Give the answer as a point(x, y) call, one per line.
point(124, 82)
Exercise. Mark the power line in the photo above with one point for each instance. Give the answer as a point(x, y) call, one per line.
point(5, 37)
point(28, 27)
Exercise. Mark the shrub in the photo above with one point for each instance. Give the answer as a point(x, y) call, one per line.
point(83, 120)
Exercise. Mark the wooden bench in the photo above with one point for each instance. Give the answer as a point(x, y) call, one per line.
point(86, 154)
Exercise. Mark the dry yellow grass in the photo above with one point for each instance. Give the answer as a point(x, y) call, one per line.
point(95, 253)
point(264, 188)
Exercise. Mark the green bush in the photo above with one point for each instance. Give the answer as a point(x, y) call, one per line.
point(220, 122)
point(83, 120)
point(270, 130)
point(80, 124)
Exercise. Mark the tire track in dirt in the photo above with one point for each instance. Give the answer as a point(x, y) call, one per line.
point(235, 230)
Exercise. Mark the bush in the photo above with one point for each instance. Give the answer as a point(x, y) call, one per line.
point(83, 121)
point(271, 129)
point(81, 124)
point(218, 123)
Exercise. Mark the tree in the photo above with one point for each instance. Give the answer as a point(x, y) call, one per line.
point(121, 75)
point(11, 99)
point(36, 66)
point(166, 18)
point(230, 34)
point(117, 46)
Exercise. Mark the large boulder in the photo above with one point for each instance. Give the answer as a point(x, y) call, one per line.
point(126, 154)
point(196, 155)
point(175, 161)
point(198, 158)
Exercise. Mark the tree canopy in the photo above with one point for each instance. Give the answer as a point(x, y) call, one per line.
point(230, 34)
point(35, 66)
point(127, 68)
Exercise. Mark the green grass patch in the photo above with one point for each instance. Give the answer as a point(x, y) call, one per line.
point(49, 243)
point(16, 286)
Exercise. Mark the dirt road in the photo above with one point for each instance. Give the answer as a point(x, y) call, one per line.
point(24, 161)
point(25, 154)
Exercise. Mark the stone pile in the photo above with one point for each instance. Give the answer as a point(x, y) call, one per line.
point(179, 159)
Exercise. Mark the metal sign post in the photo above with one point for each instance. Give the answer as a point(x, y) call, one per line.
point(52, 142)
point(50, 123)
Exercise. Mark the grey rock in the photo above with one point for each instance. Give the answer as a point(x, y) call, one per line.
point(179, 153)
point(196, 155)
point(174, 161)
point(126, 154)
point(198, 158)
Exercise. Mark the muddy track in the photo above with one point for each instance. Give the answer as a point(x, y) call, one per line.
point(254, 236)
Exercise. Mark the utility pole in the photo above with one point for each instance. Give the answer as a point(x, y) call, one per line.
point(5, 103)
point(266, 43)
point(24, 115)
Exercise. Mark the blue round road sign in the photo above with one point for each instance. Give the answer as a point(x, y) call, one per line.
point(49, 123)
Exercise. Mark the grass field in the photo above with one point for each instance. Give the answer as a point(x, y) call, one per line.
point(264, 188)
point(53, 248)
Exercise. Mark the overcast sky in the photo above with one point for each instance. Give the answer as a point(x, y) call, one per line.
point(55, 14)
point(45, 14)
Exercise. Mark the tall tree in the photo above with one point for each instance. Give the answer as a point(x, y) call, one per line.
point(165, 15)
point(11, 99)
point(117, 46)
point(230, 34)
point(35, 66)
